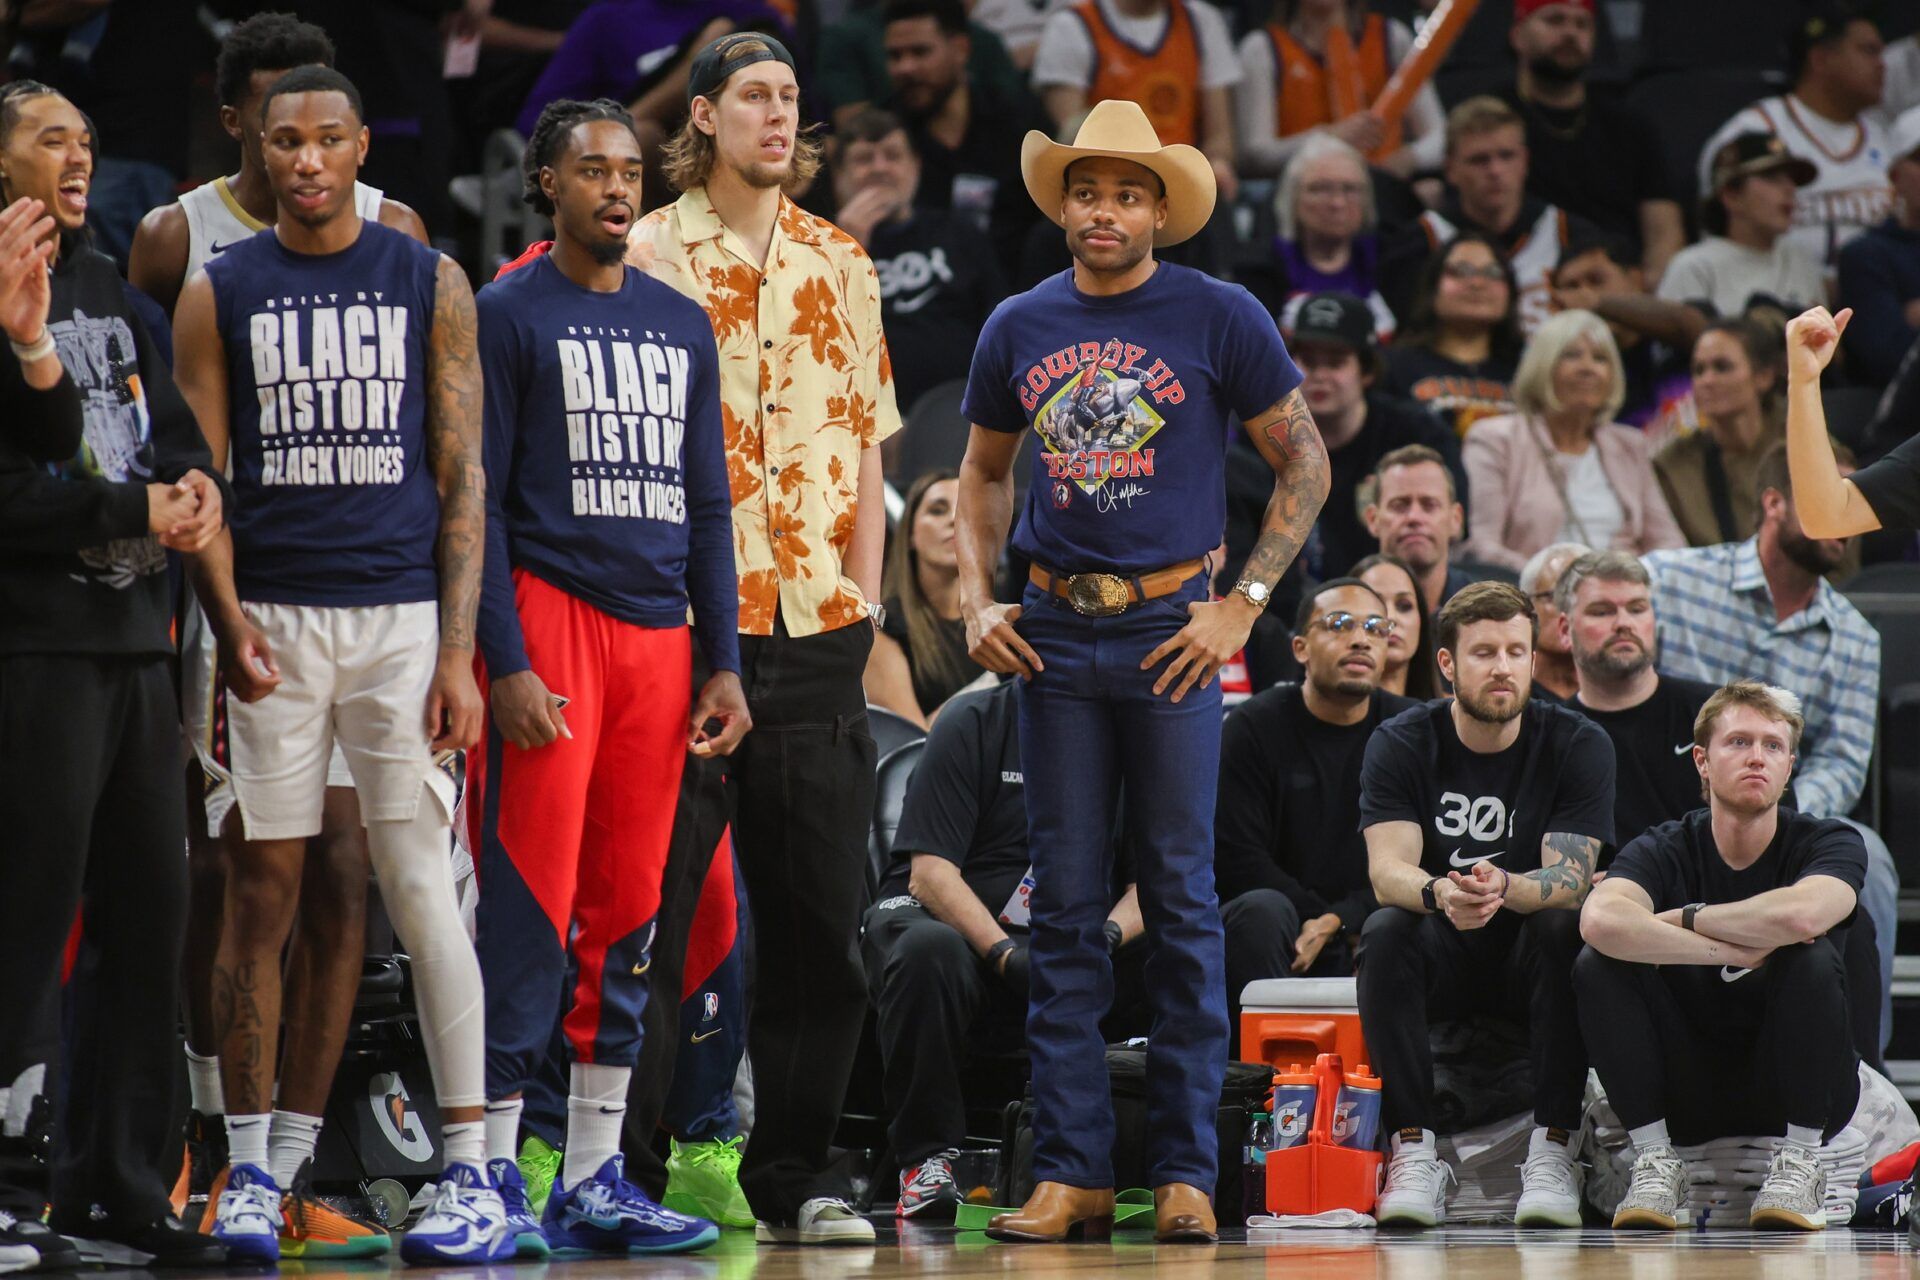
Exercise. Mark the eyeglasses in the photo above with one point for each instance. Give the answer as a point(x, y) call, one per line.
point(1467, 271)
point(1342, 622)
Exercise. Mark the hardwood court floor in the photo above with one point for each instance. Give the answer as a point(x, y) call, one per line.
point(1467, 1252)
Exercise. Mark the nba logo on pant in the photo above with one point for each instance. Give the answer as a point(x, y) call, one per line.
point(712, 1007)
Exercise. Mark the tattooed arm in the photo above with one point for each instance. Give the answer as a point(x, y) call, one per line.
point(1565, 875)
point(1291, 444)
point(453, 447)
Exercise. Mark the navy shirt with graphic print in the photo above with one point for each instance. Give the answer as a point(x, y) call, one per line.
point(1129, 397)
point(1496, 806)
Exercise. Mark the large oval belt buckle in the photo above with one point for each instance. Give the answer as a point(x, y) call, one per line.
point(1097, 595)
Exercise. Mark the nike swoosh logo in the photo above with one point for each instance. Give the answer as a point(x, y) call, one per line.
point(707, 1035)
point(1730, 974)
point(642, 968)
point(1454, 858)
point(214, 250)
point(1683, 748)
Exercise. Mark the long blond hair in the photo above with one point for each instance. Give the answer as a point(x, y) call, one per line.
point(689, 156)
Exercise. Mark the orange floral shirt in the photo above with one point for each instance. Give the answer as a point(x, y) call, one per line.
point(805, 385)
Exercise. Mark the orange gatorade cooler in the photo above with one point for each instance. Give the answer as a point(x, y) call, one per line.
point(1289, 1020)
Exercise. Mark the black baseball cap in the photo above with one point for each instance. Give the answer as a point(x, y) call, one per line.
point(722, 57)
point(1337, 318)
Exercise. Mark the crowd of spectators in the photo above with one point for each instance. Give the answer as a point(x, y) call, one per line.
point(1526, 337)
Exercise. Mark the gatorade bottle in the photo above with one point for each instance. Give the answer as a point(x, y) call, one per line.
point(1294, 1093)
point(1356, 1116)
point(1259, 1142)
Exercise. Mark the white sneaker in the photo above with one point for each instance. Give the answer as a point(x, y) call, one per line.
point(821, 1220)
point(1550, 1183)
point(1416, 1191)
point(1656, 1199)
point(466, 1222)
point(1794, 1196)
point(247, 1216)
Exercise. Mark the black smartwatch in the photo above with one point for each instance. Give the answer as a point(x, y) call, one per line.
point(1115, 936)
point(997, 950)
point(1687, 913)
point(1427, 898)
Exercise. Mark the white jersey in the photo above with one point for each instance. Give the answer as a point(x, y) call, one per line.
point(1851, 192)
point(1533, 259)
point(215, 219)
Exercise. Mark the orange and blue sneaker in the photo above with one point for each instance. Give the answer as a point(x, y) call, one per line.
point(311, 1228)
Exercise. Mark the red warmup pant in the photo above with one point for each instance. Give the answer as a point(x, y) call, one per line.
point(571, 838)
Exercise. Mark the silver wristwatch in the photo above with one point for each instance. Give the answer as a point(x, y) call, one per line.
point(1257, 594)
point(878, 612)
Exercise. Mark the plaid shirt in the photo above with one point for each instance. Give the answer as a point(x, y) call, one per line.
point(1717, 623)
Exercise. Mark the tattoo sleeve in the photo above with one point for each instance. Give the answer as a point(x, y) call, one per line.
point(1291, 444)
point(453, 446)
point(1566, 869)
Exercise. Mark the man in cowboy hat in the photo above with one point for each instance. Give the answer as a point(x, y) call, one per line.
point(1116, 639)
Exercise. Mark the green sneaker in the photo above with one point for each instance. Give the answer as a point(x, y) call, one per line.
point(703, 1179)
point(539, 1165)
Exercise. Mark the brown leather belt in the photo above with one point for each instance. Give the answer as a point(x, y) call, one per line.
point(1102, 595)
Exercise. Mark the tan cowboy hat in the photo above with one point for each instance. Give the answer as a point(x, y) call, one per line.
point(1119, 129)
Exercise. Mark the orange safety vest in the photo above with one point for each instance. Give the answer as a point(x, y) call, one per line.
point(1312, 91)
point(1165, 81)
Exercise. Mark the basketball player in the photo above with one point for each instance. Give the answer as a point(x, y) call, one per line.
point(607, 483)
point(89, 749)
point(1884, 494)
point(173, 242)
point(1117, 640)
point(1713, 989)
point(335, 359)
point(807, 395)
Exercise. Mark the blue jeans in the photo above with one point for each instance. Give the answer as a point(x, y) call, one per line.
point(1090, 723)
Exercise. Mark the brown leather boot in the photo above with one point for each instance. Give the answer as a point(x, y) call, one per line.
point(1183, 1214)
point(1056, 1212)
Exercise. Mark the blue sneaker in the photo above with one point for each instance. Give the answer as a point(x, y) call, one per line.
point(464, 1222)
point(608, 1214)
point(246, 1217)
point(528, 1240)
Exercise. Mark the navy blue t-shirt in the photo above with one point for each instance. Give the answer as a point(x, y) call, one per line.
point(334, 497)
point(606, 463)
point(1129, 398)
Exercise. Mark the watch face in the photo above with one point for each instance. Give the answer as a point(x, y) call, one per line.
point(1257, 592)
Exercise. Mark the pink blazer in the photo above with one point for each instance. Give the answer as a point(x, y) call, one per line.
point(1516, 507)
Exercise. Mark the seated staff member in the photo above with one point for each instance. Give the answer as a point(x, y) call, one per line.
point(1486, 801)
point(1713, 992)
point(1287, 852)
point(1883, 495)
point(945, 943)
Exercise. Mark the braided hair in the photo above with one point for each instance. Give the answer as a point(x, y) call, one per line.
point(14, 96)
point(550, 133)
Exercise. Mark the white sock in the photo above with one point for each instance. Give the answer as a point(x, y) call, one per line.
point(465, 1143)
point(247, 1139)
point(1650, 1137)
point(596, 1107)
point(20, 1095)
point(1801, 1135)
point(203, 1083)
point(291, 1139)
point(503, 1129)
